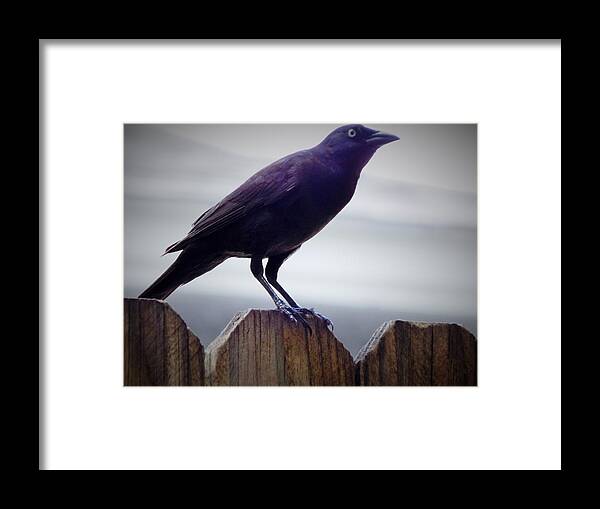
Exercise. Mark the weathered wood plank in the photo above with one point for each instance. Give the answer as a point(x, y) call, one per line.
point(260, 347)
point(159, 349)
point(440, 368)
point(416, 353)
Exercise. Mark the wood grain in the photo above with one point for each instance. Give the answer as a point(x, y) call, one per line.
point(263, 348)
point(416, 353)
point(159, 348)
point(260, 347)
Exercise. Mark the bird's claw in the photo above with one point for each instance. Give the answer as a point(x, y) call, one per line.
point(295, 316)
point(312, 312)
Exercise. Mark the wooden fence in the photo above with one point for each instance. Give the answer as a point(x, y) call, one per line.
point(263, 348)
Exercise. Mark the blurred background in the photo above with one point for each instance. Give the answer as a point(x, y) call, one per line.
point(405, 247)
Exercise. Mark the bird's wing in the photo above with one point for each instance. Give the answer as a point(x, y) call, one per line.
point(271, 184)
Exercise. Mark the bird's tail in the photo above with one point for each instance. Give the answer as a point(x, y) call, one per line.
point(188, 266)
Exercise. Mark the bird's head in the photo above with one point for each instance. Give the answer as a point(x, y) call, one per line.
point(355, 143)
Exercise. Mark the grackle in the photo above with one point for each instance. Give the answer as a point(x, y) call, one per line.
point(273, 213)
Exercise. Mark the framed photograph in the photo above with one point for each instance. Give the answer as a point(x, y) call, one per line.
point(247, 268)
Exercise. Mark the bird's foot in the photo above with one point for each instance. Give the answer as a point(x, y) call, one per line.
point(295, 316)
point(312, 312)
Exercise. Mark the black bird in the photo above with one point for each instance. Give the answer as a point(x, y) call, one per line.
point(273, 213)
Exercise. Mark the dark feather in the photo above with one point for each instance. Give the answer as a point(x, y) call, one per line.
point(277, 181)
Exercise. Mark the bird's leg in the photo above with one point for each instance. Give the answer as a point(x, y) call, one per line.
point(272, 270)
point(256, 267)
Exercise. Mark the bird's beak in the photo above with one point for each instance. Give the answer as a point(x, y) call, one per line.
point(378, 138)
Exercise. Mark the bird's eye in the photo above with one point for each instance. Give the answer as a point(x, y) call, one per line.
point(351, 133)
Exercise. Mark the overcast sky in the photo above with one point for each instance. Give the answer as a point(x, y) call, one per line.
point(404, 247)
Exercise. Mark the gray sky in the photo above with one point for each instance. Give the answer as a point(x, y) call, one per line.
point(404, 247)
